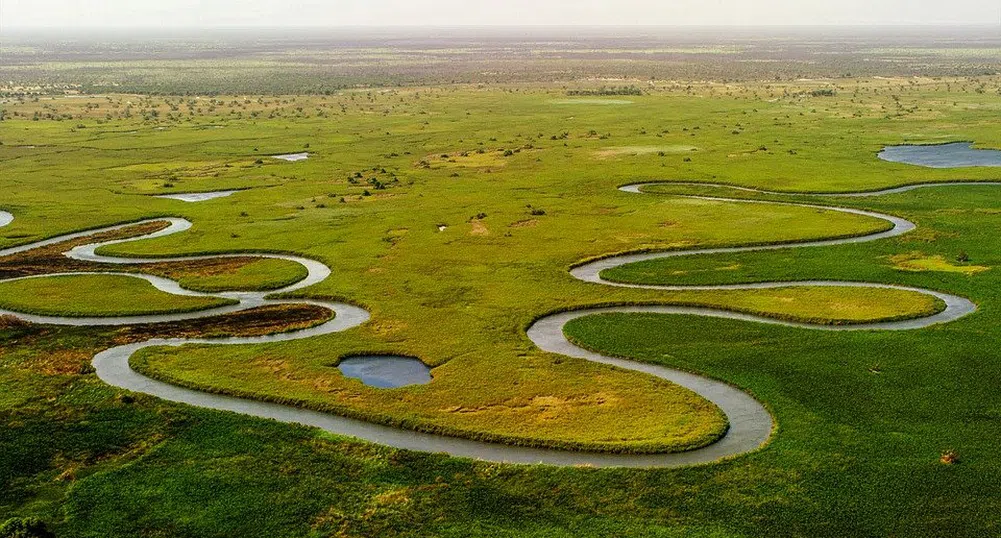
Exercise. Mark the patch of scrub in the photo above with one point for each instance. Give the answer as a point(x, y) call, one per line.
point(918, 262)
point(591, 102)
point(953, 155)
point(386, 371)
point(480, 158)
point(619, 151)
point(196, 196)
point(292, 157)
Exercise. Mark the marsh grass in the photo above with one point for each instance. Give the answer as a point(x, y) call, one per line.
point(856, 454)
point(97, 295)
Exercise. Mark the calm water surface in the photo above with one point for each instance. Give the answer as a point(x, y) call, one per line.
point(955, 155)
point(386, 371)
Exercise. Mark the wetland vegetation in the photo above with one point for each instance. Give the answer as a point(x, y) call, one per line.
point(452, 207)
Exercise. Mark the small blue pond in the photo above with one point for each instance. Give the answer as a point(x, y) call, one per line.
point(955, 155)
point(386, 371)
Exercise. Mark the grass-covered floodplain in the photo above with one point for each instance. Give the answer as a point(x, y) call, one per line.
point(96, 296)
point(524, 188)
point(246, 275)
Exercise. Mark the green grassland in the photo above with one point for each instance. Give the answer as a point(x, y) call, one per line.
point(96, 295)
point(256, 274)
point(453, 215)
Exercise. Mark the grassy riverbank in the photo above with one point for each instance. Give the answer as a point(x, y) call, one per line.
point(97, 295)
point(453, 215)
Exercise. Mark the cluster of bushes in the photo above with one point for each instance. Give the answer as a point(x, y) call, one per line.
point(621, 90)
point(24, 527)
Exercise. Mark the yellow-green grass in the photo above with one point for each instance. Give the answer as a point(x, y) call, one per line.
point(619, 151)
point(259, 274)
point(550, 402)
point(821, 305)
point(466, 399)
point(459, 299)
point(96, 295)
point(855, 410)
point(919, 262)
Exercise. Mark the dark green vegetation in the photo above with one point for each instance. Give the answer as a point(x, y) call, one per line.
point(453, 213)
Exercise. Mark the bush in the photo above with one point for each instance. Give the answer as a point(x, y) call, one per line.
point(24, 527)
point(824, 92)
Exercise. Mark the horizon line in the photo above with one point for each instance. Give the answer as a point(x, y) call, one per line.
point(984, 25)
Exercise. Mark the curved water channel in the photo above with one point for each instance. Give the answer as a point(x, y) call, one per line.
point(750, 423)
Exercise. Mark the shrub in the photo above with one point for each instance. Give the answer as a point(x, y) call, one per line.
point(24, 527)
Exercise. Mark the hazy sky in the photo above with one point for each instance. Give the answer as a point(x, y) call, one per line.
point(214, 13)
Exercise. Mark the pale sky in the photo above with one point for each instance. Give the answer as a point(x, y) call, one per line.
point(240, 13)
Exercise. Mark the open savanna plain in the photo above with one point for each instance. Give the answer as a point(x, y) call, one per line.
point(453, 215)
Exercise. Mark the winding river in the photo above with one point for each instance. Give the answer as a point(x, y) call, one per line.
point(750, 423)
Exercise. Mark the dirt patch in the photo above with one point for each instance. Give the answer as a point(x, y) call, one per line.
point(479, 228)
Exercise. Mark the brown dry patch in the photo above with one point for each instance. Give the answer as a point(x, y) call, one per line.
point(198, 268)
point(11, 322)
point(63, 362)
point(527, 223)
point(267, 319)
point(49, 259)
point(479, 228)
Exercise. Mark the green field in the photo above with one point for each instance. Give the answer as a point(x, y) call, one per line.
point(96, 295)
point(453, 215)
point(256, 274)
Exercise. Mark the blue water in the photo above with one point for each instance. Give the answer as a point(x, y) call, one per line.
point(386, 371)
point(955, 155)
